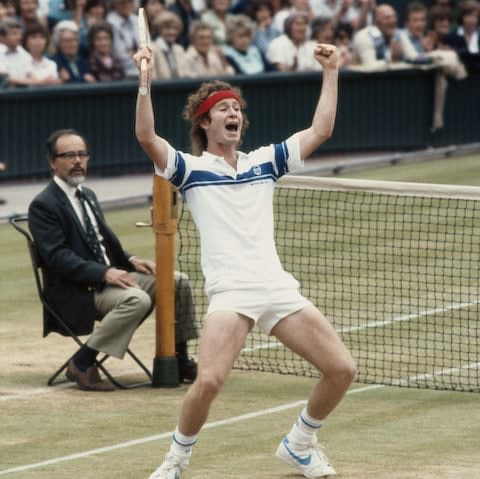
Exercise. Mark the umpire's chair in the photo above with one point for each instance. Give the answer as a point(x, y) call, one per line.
point(16, 221)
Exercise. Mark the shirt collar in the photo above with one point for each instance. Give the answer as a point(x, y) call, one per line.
point(66, 188)
point(240, 155)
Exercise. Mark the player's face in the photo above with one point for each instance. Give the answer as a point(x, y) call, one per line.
point(70, 162)
point(225, 125)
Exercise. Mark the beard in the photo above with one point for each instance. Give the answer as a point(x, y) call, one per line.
point(75, 180)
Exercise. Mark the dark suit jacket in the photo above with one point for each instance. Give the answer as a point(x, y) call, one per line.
point(71, 274)
point(459, 44)
point(82, 66)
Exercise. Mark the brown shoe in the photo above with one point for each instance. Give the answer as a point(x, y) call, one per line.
point(89, 380)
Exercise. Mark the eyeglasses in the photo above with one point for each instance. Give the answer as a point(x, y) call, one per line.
point(71, 155)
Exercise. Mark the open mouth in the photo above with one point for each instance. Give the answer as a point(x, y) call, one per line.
point(233, 127)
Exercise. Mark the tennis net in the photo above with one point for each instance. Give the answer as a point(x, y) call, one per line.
point(394, 266)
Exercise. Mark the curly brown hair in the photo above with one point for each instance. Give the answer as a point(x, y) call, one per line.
point(198, 136)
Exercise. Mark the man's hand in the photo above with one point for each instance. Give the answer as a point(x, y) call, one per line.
point(327, 56)
point(143, 53)
point(143, 265)
point(120, 278)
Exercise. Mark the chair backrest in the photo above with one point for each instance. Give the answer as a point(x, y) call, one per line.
point(16, 221)
point(20, 223)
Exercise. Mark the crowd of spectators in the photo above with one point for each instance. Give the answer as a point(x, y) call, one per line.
point(49, 42)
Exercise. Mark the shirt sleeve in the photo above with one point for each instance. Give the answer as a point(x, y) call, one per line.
point(287, 156)
point(177, 169)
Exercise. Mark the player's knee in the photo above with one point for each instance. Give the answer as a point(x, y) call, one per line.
point(346, 371)
point(209, 385)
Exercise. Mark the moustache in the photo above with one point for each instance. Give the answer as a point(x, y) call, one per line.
point(77, 170)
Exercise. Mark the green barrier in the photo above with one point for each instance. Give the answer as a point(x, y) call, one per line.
point(376, 111)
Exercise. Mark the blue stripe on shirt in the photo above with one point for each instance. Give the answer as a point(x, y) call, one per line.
point(281, 158)
point(207, 178)
point(179, 175)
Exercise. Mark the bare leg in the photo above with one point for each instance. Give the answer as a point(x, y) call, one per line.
point(222, 339)
point(309, 334)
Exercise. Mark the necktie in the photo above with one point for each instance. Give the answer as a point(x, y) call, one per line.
point(92, 237)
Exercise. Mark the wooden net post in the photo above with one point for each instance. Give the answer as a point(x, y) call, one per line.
point(164, 223)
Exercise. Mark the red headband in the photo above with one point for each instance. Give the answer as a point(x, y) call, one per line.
point(213, 99)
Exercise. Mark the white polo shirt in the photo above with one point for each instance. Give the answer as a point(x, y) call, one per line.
point(233, 211)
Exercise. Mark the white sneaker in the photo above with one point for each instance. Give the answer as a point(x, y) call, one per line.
point(172, 467)
point(310, 460)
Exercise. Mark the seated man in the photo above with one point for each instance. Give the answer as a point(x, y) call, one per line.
point(88, 275)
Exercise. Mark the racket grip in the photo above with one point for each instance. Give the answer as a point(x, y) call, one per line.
point(143, 89)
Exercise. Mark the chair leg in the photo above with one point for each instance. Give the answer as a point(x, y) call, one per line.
point(51, 381)
point(140, 363)
point(106, 372)
point(120, 384)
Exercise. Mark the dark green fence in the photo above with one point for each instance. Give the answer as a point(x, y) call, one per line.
point(377, 111)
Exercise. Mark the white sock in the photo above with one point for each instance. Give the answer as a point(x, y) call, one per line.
point(305, 428)
point(182, 444)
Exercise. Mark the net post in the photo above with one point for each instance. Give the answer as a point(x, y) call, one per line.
point(164, 223)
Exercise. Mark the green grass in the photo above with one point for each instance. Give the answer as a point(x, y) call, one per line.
point(454, 170)
point(386, 433)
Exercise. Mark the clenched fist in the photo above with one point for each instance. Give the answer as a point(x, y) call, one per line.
point(327, 56)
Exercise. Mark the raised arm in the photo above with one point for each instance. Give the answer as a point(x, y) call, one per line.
point(153, 145)
point(326, 110)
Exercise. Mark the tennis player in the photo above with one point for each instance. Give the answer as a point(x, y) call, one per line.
point(230, 195)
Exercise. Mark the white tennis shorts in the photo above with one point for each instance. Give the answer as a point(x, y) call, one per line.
point(266, 307)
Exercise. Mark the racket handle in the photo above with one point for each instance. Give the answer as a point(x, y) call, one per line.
point(143, 89)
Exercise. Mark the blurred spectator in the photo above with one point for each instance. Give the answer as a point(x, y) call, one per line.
point(294, 6)
point(360, 14)
point(239, 6)
point(440, 20)
point(57, 10)
point(43, 71)
point(465, 40)
point(15, 60)
point(169, 56)
point(95, 11)
point(76, 12)
point(26, 12)
point(449, 4)
point(203, 58)
point(261, 12)
point(322, 32)
point(241, 54)
point(290, 52)
point(7, 9)
point(185, 11)
point(72, 68)
point(103, 64)
point(3, 9)
point(376, 46)
point(125, 34)
point(417, 49)
point(216, 15)
point(3, 34)
point(152, 8)
point(342, 39)
point(357, 13)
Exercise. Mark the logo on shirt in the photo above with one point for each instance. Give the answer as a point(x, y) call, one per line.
point(257, 170)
